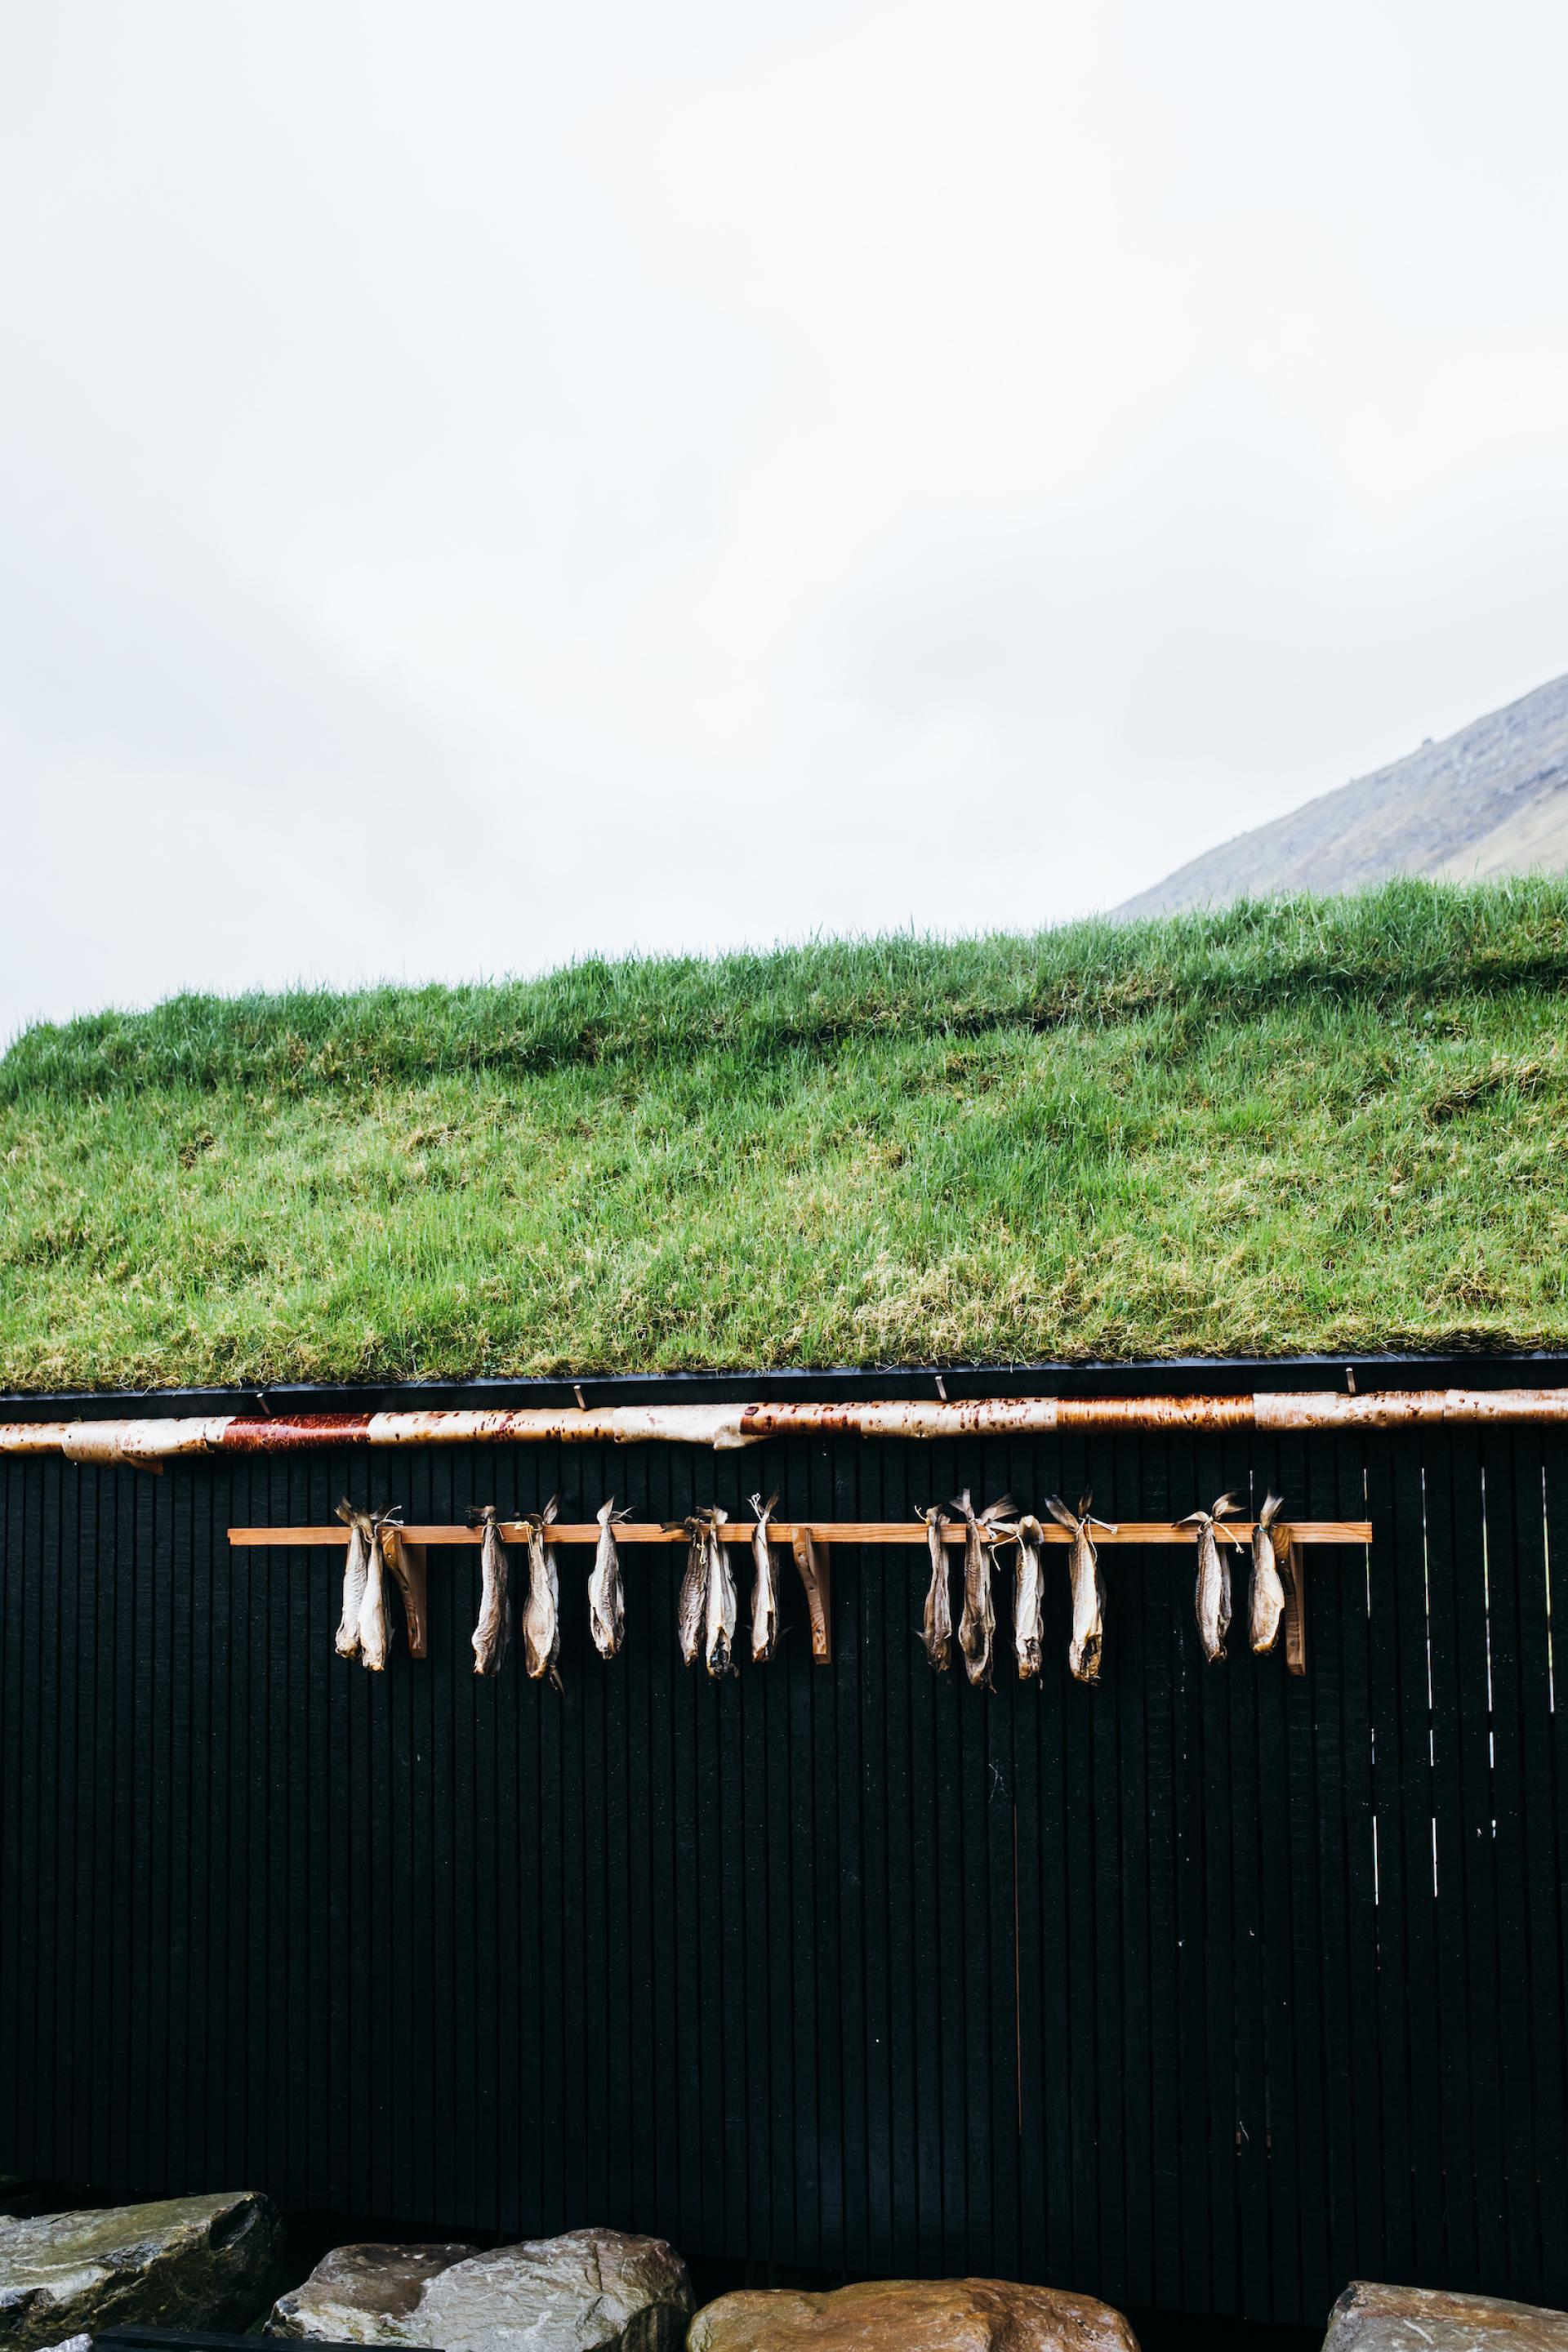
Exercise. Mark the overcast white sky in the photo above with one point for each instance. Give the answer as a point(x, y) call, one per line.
point(481, 483)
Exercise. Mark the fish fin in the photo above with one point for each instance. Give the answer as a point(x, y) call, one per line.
point(1061, 1513)
point(1193, 1519)
point(1272, 1509)
point(1225, 1503)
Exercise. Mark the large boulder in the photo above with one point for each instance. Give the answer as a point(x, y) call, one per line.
point(588, 2290)
point(185, 2262)
point(972, 2315)
point(1370, 2317)
point(361, 2294)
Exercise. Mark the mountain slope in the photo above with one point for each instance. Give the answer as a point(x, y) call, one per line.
point(1492, 799)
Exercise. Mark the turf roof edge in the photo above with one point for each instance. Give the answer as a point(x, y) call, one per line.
point(1161, 1376)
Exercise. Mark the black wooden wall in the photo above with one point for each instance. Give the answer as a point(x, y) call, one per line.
point(1208, 1990)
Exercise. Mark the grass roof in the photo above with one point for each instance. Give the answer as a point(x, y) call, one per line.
point(1331, 1124)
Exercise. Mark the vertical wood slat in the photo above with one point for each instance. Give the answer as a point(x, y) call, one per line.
point(852, 1966)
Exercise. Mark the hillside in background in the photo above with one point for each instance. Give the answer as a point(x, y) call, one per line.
point(1334, 1124)
point(1491, 800)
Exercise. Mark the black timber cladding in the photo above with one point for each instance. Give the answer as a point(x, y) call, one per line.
point(1209, 1990)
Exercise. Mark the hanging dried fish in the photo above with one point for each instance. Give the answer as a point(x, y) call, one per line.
point(406, 1562)
point(492, 1634)
point(765, 1586)
point(542, 1609)
point(1087, 1643)
point(1267, 1585)
point(356, 1567)
point(1212, 1596)
point(719, 1641)
point(691, 1607)
point(375, 1632)
point(606, 1601)
point(936, 1632)
point(977, 1626)
point(1028, 1592)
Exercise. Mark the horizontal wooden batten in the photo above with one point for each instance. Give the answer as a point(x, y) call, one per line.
point(822, 1531)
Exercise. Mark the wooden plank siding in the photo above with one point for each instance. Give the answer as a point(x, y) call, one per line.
point(1207, 1989)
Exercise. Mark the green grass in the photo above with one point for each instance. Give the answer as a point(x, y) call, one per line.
point(1335, 1124)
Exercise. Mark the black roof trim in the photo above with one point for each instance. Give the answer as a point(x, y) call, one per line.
point(1167, 1376)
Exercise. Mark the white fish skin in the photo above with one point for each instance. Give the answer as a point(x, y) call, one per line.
point(1028, 1595)
point(357, 1568)
point(606, 1599)
point(765, 1587)
point(1211, 1597)
point(1086, 1646)
point(692, 1605)
point(977, 1624)
point(374, 1636)
point(492, 1634)
point(936, 1632)
point(542, 1609)
point(1267, 1585)
point(719, 1646)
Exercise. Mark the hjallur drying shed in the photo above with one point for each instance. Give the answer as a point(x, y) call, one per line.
point(1204, 1986)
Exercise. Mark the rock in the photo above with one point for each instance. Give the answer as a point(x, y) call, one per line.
point(361, 2294)
point(972, 2315)
point(1370, 2317)
point(589, 2289)
point(185, 2262)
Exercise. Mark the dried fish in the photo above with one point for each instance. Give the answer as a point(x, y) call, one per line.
point(765, 1587)
point(1086, 1646)
point(374, 1633)
point(1267, 1585)
point(542, 1609)
point(406, 1562)
point(977, 1626)
point(691, 1607)
point(492, 1634)
point(356, 1567)
point(1212, 1596)
point(936, 1632)
point(1028, 1585)
point(606, 1601)
point(719, 1643)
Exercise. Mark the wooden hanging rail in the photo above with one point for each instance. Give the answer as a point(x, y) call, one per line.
point(785, 1531)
